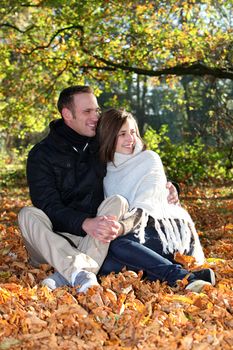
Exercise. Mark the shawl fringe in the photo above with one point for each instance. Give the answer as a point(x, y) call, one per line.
point(175, 234)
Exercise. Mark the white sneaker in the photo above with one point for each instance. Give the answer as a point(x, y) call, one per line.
point(84, 280)
point(54, 281)
point(197, 285)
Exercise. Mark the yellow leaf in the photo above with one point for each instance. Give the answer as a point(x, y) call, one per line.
point(229, 227)
point(214, 260)
point(181, 298)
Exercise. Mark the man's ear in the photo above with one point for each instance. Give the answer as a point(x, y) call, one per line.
point(67, 115)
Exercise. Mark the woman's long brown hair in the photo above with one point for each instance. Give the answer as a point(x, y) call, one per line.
point(109, 126)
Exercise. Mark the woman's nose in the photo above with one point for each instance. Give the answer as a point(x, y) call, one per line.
point(129, 137)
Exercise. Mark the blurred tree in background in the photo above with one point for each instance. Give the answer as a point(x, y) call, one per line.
point(169, 62)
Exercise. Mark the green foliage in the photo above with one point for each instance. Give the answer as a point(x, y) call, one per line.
point(13, 167)
point(187, 162)
point(14, 178)
point(47, 45)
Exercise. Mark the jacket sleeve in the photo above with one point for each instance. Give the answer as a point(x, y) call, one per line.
point(45, 195)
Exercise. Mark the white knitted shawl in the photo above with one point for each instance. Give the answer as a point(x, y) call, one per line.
point(140, 178)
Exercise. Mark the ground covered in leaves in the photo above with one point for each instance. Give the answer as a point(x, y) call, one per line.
point(127, 312)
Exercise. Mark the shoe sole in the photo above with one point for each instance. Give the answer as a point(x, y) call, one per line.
point(212, 277)
point(197, 286)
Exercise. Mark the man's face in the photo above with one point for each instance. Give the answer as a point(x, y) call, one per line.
point(84, 114)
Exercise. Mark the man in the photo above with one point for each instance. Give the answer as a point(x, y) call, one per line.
point(65, 179)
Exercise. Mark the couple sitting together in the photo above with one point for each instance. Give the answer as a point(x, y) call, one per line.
point(102, 202)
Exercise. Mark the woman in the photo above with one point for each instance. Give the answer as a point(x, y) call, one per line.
point(163, 229)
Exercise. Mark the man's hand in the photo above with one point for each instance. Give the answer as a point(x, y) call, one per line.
point(173, 195)
point(103, 228)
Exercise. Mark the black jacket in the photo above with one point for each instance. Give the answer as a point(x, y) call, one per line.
point(66, 183)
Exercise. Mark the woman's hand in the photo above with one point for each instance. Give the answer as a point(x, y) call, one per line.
point(173, 197)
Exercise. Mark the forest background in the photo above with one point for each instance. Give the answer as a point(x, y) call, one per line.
point(171, 64)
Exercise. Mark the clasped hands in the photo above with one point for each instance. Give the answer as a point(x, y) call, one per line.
point(104, 228)
point(107, 228)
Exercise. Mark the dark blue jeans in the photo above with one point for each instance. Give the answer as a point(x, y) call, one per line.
point(126, 251)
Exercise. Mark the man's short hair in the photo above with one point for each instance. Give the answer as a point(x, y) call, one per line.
point(66, 96)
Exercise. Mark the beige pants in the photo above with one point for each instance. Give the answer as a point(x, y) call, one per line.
point(45, 246)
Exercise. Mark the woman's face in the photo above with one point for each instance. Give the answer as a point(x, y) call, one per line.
point(126, 137)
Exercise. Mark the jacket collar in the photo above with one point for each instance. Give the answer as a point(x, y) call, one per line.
point(62, 143)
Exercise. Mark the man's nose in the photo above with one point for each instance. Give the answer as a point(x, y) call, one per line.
point(95, 115)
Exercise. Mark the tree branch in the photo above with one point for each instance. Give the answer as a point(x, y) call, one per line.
point(197, 69)
point(42, 47)
point(15, 28)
